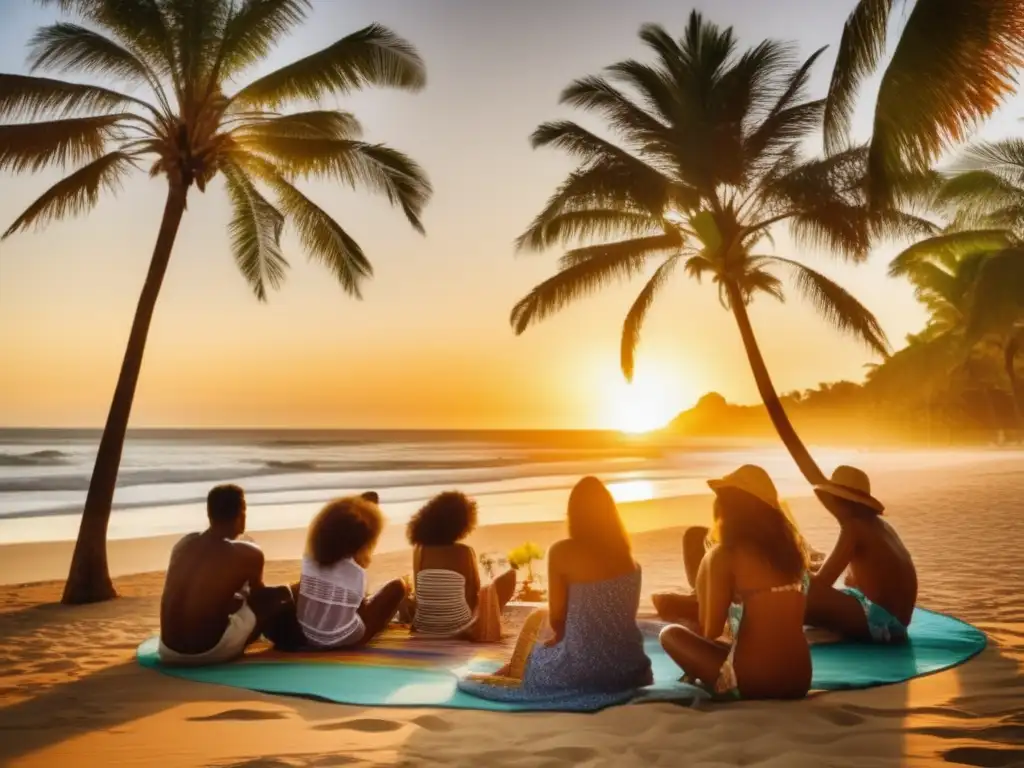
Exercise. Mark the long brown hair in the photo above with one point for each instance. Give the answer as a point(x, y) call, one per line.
point(594, 519)
point(743, 519)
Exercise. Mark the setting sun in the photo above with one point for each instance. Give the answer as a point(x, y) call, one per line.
point(646, 404)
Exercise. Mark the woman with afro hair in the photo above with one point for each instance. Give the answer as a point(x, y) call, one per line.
point(331, 606)
point(447, 589)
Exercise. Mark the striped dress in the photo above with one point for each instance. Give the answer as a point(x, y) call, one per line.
point(329, 598)
point(441, 607)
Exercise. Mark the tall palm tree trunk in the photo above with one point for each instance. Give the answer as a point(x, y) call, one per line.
point(769, 396)
point(89, 577)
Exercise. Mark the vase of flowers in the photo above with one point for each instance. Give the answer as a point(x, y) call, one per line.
point(524, 556)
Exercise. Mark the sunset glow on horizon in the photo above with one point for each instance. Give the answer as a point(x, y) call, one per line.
point(429, 346)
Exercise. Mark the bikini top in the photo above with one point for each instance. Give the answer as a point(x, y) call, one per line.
point(736, 607)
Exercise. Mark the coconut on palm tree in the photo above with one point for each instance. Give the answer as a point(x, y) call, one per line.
point(187, 128)
point(953, 63)
point(704, 164)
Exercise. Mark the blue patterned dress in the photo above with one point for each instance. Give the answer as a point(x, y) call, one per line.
point(601, 655)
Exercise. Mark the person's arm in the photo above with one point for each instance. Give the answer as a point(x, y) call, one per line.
point(472, 576)
point(717, 594)
point(253, 560)
point(558, 591)
point(838, 559)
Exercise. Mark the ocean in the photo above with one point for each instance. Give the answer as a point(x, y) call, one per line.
point(516, 476)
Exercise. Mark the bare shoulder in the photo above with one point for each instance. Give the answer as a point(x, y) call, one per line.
point(561, 552)
point(183, 542)
point(248, 550)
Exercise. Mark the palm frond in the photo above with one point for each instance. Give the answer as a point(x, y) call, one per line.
point(373, 166)
point(997, 293)
point(589, 223)
point(791, 117)
point(139, 24)
point(76, 193)
point(837, 305)
point(196, 29)
point(372, 56)
point(609, 185)
point(979, 192)
point(253, 30)
point(952, 245)
point(860, 48)
point(255, 230)
point(627, 118)
point(32, 146)
point(580, 143)
point(699, 265)
point(316, 124)
point(760, 281)
point(66, 47)
point(23, 97)
point(1005, 158)
point(668, 242)
point(638, 313)
point(324, 239)
point(617, 261)
point(953, 66)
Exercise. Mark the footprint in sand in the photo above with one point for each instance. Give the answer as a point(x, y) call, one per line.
point(239, 714)
point(839, 716)
point(365, 725)
point(433, 723)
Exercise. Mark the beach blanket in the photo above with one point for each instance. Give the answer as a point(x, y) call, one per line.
point(401, 670)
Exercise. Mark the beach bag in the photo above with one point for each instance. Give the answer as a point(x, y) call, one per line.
point(487, 626)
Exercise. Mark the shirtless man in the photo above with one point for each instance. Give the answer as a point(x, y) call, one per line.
point(214, 602)
point(881, 587)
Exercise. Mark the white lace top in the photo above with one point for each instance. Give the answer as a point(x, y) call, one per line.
point(328, 600)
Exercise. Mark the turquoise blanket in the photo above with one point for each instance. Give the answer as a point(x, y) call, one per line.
point(397, 671)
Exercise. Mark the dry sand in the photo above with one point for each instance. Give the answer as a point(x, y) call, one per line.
point(72, 694)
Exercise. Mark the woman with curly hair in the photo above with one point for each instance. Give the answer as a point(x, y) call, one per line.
point(752, 587)
point(332, 608)
point(447, 589)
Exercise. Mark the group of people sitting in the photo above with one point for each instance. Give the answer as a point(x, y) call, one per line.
point(739, 629)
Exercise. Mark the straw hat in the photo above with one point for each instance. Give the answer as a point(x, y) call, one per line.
point(851, 484)
point(750, 479)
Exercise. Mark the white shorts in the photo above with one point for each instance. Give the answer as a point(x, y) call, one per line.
point(231, 645)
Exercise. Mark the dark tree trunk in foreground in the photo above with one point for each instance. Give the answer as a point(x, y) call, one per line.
point(89, 577)
point(769, 396)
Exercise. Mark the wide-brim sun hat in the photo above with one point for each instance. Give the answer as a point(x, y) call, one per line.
point(851, 484)
point(752, 480)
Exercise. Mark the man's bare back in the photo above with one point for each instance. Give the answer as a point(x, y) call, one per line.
point(881, 567)
point(881, 586)
point(205, 577)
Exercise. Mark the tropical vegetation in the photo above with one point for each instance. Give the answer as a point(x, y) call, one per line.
point(952, 65)
point(705, 162)
point(167, 106)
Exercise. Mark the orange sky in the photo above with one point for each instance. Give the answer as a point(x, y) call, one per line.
point(430, 345)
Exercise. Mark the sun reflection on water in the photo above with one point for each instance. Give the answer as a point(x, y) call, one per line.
point(632, 490)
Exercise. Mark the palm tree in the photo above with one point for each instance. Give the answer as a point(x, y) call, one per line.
point(952, 66)
point(707, 163)
point(189, 128)
point(971, 277)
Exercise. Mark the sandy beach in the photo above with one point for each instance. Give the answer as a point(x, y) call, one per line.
point(72, 693)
